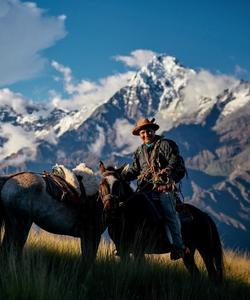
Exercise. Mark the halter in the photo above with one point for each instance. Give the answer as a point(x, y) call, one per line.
point(106, 198)
point(109, 173)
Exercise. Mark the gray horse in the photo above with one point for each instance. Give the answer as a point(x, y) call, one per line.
point(24, 200)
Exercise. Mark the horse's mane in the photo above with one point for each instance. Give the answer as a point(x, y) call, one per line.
point(87, 176)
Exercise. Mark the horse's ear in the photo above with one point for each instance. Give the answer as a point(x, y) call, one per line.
point(102, 168)
point(123, 169)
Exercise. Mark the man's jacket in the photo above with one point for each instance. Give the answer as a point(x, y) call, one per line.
point(166, 156)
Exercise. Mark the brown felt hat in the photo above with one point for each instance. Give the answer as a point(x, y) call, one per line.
point(144, 123)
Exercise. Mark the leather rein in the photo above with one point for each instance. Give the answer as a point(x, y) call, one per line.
point(110, 196)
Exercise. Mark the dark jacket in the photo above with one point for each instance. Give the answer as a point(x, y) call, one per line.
point(167, 156)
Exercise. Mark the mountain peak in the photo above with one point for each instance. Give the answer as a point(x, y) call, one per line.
point(160, 68)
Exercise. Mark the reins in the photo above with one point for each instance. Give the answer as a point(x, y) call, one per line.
point(108, 197)
point(152, 170)
point(159, 178)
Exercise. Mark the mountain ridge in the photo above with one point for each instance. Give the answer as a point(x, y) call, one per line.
point(208, 117)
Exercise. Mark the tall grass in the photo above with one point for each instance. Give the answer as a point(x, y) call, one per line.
point(51, 268)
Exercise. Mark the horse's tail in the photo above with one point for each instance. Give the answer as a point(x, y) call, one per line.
point(210, 243)
point(217, 250)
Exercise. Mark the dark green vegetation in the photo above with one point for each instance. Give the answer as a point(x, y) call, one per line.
point(50, 272)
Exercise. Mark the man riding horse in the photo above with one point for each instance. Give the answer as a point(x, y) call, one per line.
point(158, 166)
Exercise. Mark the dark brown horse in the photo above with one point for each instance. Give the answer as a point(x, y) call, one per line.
point(135, 226)
point(24, 200)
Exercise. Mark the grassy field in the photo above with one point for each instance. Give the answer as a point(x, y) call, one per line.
point(51, 268)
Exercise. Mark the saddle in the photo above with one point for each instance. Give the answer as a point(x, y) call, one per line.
point(61, 190)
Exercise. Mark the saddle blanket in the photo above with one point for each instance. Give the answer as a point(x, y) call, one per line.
point(60, 190)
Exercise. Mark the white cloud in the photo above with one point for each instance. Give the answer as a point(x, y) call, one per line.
point(25, 30)
point(18, 103)
point(98, 145)
point(47, 135)
point(87, 94)
point(196, 99)
point(17, 139)
point(15, 100)
point(137, 58)
point(124, 138)
point(67, 76)
point(239, 71)
point(204, 84)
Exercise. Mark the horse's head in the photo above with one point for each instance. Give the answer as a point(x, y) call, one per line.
point(113, 190)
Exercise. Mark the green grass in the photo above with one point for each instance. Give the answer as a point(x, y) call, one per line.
point(51, 268)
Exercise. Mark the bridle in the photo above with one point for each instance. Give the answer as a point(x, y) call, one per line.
point(107, 198)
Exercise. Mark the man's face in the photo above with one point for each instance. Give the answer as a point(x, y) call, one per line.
point(147, 135)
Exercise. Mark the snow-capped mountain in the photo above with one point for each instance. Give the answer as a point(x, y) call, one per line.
point(30, 116)
point(24, 125)
point(156, 86)
point(207, 115)
point(163, 89)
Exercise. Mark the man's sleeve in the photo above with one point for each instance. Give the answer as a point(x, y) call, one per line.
point(134, 170)
point(173, 158)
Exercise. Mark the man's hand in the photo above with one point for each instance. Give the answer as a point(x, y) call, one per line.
point(169, 187)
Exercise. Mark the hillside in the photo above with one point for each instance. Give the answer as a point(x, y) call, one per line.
point(51, 269)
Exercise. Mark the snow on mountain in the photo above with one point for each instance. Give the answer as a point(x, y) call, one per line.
point(74, 119)
point(207, 115)
point(155, 86)
point(172, 92)
point(235, 99)
point(163, 89)
point(36, 122)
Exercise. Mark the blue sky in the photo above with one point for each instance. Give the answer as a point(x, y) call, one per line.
point(85, 36)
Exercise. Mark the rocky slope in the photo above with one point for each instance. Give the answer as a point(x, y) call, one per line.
point(208, 116)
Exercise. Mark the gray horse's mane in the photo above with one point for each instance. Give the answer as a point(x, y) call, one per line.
point(89, 180)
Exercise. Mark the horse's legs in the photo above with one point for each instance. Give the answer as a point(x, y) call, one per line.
point(122, 249)
point(124, 254)
point(90, 240)
point(189, 262)
point(15, 235)
point(138, 251)
point(139, 256)
point(209, 263)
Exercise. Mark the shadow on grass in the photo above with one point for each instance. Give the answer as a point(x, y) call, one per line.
point(48, 274)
